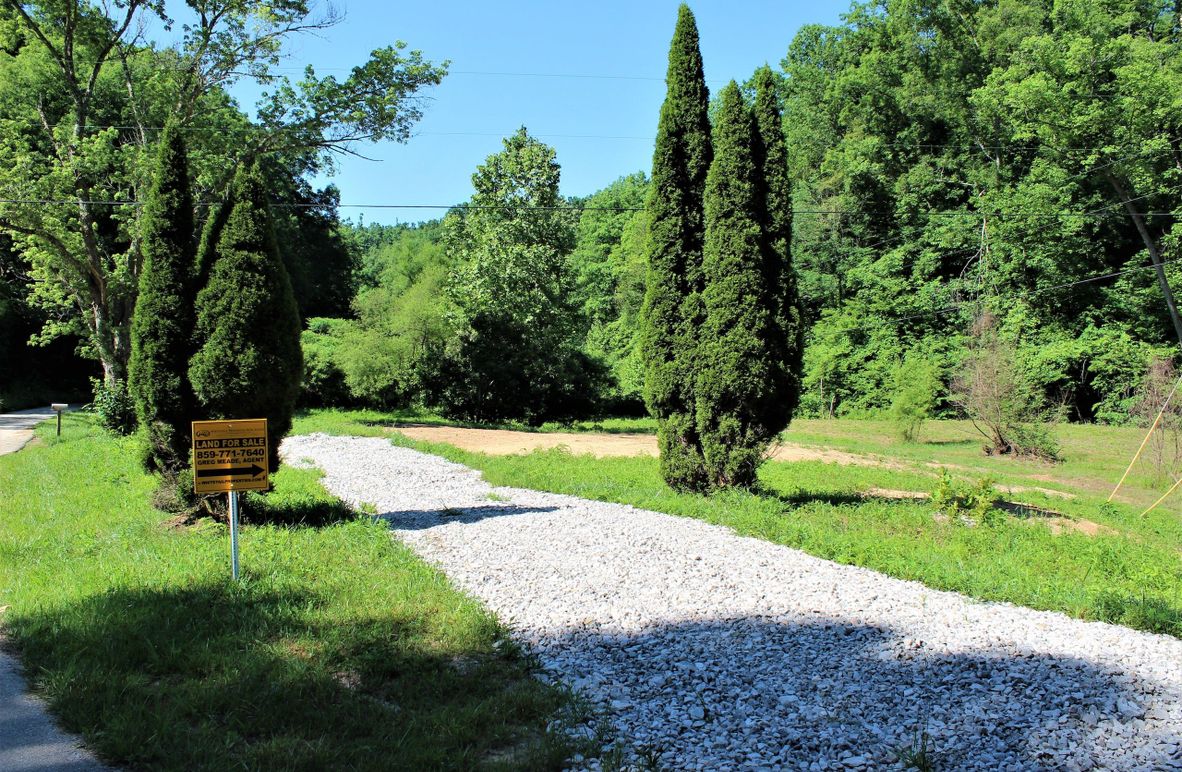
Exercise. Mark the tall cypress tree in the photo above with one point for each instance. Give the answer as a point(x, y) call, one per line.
point(672, 310)
point(162, 328)
point(771, 158)
point(735, 387)
point(249, 362)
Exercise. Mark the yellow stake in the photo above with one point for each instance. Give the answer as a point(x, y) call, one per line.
point(1163, 498)
point(1145, 442)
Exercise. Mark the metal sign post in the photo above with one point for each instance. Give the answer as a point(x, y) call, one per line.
point(231, 456)
point(233, 534)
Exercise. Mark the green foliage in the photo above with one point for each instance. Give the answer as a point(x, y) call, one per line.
point(787, 339)
point(1001, 401)
point(917, 392)
point(249, 363)
point(739, 409)
point(162, 329)
point(323, 383)
point(319, 261)
point(610, 263)
point(113, 405)
point(78, 127)
point(967, 504)
point(672, 310)
point(952, 142)
point(516, 356)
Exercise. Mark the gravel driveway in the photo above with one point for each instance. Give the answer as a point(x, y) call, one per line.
point(714, 651)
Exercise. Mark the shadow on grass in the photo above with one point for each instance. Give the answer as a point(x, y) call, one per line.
point(295, 511)
point(834, 498)
point(418, 519)
point(798, 693)
point(232, 677)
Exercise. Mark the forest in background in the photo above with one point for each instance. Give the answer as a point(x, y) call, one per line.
point(952, 161)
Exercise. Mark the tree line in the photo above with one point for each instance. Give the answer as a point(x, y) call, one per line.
point(949, 162)
point(966, 182)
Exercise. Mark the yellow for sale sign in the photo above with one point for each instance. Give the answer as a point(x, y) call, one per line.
point(230, 456)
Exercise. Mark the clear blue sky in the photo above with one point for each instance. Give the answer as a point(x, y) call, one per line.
point(601, 127)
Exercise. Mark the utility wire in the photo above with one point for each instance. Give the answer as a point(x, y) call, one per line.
point(480, 207)
point(908, 145)
point(1019, 296)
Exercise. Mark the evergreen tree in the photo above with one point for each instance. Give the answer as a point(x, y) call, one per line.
point(771, 161)
point(672, 307)
point(735, 385)
point(249, 362)
point(162, 328)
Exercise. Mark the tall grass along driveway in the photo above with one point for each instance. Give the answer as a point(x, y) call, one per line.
point(711, 650)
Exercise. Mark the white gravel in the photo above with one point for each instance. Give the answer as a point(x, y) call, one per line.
point(715, 651)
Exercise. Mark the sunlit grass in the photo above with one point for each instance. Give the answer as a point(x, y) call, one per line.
point(339, 649)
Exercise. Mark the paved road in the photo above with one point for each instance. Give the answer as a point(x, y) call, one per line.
point(29, 739)
point(16, 429)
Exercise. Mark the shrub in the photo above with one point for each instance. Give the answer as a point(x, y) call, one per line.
point(114, 406)
point(917, 390)
point(323, 384)
point(967, 504)
point(999, 400)
point(1150, 401)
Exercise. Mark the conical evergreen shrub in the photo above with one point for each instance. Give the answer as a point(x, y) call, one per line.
point(162, 328)
point(672, 309)
point(735, 384)
point(771, 159)
point(249, 363)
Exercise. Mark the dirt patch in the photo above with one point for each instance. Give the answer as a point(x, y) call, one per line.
point(504, 442)
point(890, 493)
point(1060, 524)
point(1035, 489)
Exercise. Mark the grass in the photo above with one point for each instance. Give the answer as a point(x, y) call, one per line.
point(1131, 575)
point(339, 649)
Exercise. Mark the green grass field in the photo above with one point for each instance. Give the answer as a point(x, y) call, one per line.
point(1130, 572)
point(339, 649)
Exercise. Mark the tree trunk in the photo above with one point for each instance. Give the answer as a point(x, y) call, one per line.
point(1154, 253)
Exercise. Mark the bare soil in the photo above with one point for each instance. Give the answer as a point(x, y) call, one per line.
point(504, 442)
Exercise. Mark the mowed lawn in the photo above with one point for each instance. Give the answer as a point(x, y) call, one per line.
point(1061, 547)
point(339, 649)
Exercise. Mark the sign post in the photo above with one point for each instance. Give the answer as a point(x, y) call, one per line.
point(228, 457)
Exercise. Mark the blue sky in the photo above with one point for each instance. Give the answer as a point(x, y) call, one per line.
point(511, 65)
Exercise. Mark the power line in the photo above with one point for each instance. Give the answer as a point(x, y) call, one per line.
point(530, 207)
point(649, 138)
point(960, 304)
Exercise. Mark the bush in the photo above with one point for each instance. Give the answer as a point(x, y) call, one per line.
point(999, 399)
point(917, 390)
point(496, 373)
point(976, 504)
point(114, 406)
